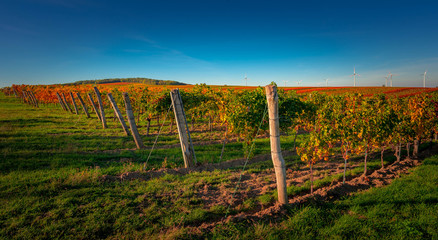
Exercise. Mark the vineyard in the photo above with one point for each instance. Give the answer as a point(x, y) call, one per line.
point(110, 161)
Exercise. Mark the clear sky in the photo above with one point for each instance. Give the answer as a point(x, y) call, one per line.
point(217, 42)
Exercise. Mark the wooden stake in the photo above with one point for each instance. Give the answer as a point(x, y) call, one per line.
point(34, 99)
point(131, 121)
point(25, 98)
point(90, 97)
point(381, 156)
point(311, 177)
point(416, 146)
point(183, 130)
point(65, 102)
point(31, 99)
point(74, 103)
point(61, 102)
point(274, 130)
point(223, 144)
point(118, 114)
point(102, 113)
point(83, 104)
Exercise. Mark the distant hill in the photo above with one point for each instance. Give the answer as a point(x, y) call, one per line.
point(148, 81)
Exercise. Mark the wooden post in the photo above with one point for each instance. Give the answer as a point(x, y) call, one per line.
point(274, 130)
point(31, 100)
point(61, 102)
point(102, 113)
point(83, 104)
point(118, 114)
point(15, 92)
point(223, 144)
point(131, 121)
point(27, 97)
point(210, 125)
point(183, 129)
point(74, 103)
point(94, 106)
point(25, 100)
point(416, 146)
point(66, 103)
point(34, 99)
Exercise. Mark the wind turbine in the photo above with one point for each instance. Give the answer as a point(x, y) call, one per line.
point(326, 82)
point(285, 83)
point(246, 80)
point(354, 75)
point(424, 78)
point(390, 77)
point(299, 82)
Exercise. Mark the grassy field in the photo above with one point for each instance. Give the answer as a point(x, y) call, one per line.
point(52, 185)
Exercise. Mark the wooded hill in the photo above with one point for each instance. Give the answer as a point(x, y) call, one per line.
point(148, 81)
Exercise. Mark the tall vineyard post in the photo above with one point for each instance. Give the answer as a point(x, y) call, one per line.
point(274, 130)
point(25, 99)
point(131, 121)
point(102, 112)
point(183, 130)
point(83, 104)
point(118, 113)
point(66, 103)
point(34, 99)
point(29, 96)
point(61, 102)
point(74, 103)
point(90, 97)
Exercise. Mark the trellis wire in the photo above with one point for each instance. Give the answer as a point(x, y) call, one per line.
point(156, 138)
point(246, 161)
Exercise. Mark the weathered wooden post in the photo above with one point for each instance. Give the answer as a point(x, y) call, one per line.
point(34, 99)
point(61, 102)
point(28, 99)
point(74, 103)
point(416, 147)
point(102, 113)
point(131, 121)
point(94, 106)
point(31, 99)
point(22, 97)
point(274, 130)
point(25, 98)
point(118, 114)
point(83, 104)
point(183, 130)
point(66, 103)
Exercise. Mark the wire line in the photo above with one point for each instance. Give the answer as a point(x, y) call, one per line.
point(156, 138)
point(246, 161)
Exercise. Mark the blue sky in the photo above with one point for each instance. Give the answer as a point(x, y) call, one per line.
point(217, 42)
